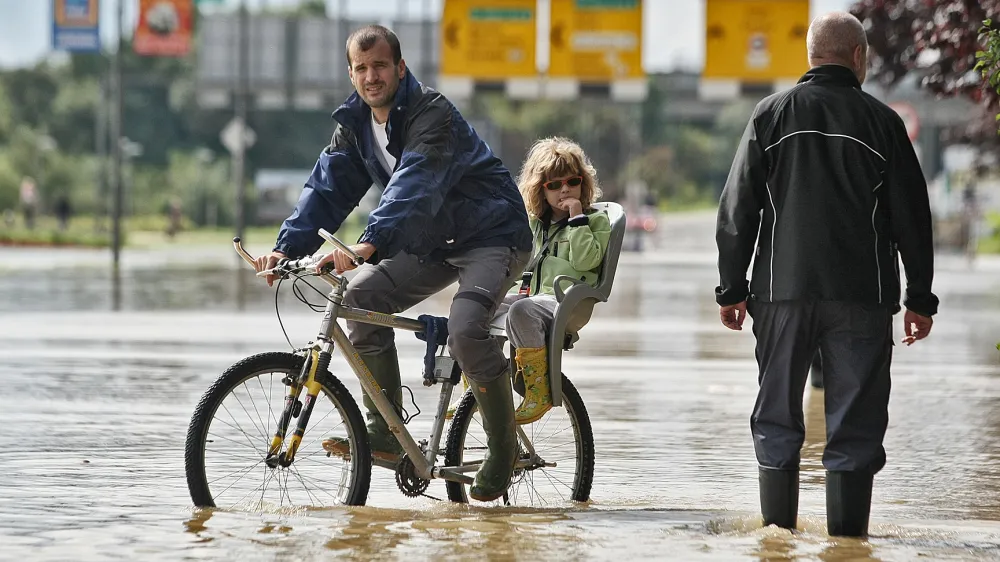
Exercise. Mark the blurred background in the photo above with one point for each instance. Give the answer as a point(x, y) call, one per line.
point(137, 137)
point(191, 120)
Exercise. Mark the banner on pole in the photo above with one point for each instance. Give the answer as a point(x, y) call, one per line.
point(75, 26)
point(164, 28)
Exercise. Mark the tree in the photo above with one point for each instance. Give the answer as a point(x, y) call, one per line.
point(938, 41)
point(989, 58)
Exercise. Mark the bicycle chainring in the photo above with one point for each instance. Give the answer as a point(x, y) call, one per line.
point(407, 480)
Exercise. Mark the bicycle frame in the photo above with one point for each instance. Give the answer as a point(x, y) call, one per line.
point(331, 336)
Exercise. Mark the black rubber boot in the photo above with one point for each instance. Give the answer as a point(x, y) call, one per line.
point(384, 445)
point(779, 496)
point(496, 405)
point(848, 503)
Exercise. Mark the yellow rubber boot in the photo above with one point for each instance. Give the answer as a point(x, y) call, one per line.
point(454, 405)
point(533, 364)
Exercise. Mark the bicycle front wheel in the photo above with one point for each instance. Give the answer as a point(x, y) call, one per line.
point(562, 438)
point(232, 428)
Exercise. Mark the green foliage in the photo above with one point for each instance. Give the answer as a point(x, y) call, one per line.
point(79, 232)
point(988, 60)
point(599, 127)
point(31, 92)
point(6, 114)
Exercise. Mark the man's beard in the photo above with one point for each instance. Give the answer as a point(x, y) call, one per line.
point(383, 98)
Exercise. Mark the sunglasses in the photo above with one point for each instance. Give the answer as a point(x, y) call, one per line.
point(552, 185)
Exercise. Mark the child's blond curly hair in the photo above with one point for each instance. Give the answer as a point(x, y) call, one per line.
point(555, 157)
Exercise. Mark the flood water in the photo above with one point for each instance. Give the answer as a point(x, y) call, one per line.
point(95, 407)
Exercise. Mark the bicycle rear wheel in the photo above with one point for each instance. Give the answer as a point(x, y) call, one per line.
point(232, 428)
point(562, 436)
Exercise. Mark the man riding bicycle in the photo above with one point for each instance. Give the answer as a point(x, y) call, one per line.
point(450, 211)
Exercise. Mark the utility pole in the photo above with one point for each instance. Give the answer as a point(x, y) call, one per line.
point(116, 154)
point(242, 89)
point(101, 145)
point(239, 155)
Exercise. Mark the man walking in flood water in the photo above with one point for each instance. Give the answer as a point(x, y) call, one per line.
point(827, 188)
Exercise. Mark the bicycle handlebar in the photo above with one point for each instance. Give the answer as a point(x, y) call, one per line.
point(285, 266)
point(358, 260)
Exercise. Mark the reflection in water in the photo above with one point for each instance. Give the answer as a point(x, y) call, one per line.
point(842, 549)
point(116, 287)
point(106, 400)
point(776, 547)
point(196, 525)
point(241, 277)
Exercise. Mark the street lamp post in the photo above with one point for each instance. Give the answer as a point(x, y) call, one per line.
point(116, 135)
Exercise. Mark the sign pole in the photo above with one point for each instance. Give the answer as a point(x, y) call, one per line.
point(239, 155)
point(116, 135)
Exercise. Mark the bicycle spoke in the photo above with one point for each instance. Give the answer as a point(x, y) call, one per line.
point(207, 450)
point(255, 410)
point(251, 446)
point(319, 480)
point(556, 488)
point(320, 488)
point(553, 435)
point(312, 460)
point(237, 502)
point(269, 410)
point(553, 447)
point(219, 495)
point(275, 474)
point(240, 429)
point(287, 489)
point(249, 467)
point(247, 412)
point(316, 424)
point(312, 497)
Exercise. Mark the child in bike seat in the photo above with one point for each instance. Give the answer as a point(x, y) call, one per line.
point(558, 184)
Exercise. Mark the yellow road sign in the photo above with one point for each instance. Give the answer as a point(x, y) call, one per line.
point(756, 40)
point(596, 40)
point(488, 39)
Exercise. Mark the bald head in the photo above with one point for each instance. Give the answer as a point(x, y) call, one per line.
point(838, 38)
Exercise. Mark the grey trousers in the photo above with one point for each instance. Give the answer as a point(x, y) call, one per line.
point(396, 284)
point(529, 319)
point(855, 341)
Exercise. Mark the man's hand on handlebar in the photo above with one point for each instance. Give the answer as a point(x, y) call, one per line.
point(343, 262)
point(266, 262)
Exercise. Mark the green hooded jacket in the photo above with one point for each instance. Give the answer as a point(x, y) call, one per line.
point(577, 250)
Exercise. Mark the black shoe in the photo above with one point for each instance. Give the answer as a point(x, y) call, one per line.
point(779, 496)
point(848, 503)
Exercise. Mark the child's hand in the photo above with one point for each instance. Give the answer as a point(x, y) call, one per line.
point(572, 206)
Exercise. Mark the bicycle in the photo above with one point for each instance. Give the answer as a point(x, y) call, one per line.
point(265, 466)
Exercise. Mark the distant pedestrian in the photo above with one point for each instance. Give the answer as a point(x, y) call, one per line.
point(826, 185)
point(29, 201)
point(175, 215)
point(63, 210)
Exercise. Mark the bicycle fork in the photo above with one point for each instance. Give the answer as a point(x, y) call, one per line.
point(315, 363)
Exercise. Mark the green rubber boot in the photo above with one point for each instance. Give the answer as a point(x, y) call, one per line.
point(384, 445)
point(496, 405)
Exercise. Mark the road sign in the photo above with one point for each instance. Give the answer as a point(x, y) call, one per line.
point(596, 40)
point(232, 132)
point(910, 118)
point(75, 26)
point(756, 40)
point(488, 39)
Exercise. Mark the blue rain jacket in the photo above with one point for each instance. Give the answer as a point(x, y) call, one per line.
point(448, 191)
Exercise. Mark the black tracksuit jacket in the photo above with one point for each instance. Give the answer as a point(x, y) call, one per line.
point(826, 185)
